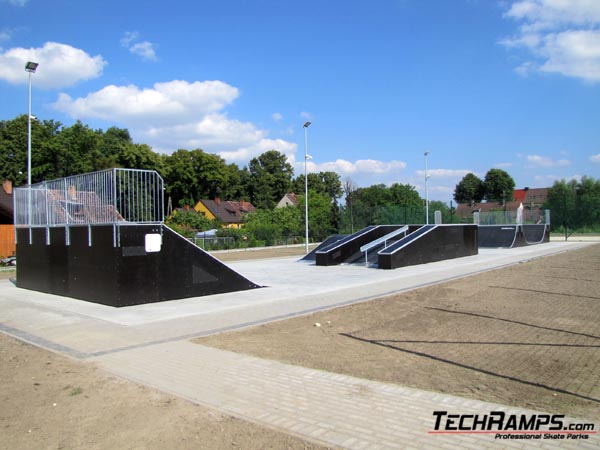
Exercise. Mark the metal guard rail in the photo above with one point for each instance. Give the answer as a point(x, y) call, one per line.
point(365, 248)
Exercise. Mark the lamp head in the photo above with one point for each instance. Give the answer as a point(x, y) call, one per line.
point(306, 124)
point(31, 66)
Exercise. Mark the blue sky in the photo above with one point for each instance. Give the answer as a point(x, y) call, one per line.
point(477, 83)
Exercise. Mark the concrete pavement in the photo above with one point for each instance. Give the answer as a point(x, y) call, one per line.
point(149, 344)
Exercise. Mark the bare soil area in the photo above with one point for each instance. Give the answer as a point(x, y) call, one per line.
point(527, 335)
point(7, 274)
point(263, 253)
point(52, 402)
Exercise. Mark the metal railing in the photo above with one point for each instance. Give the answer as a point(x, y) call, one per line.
point(510, 217)
point(113, 196)
point(365, 248)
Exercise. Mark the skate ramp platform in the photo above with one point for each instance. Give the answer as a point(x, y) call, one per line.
point(83, 262)
point(312, 255)
point(430, 243)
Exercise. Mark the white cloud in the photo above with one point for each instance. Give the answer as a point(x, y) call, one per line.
point(165, 104)
point(503, 165)
point(573, 53)
point(16, 2)
point(144, 49)
point(361, 166)
point(276, 117)
point(244, 154)
point(545, 162)
point(541, 14)
point(306, 115)
point(181, 114)
point(562, 36)
point(129, 37)
point(444, 173)
point(595, 158)
point(178, 114)
point(5, 35)
point(60, 65)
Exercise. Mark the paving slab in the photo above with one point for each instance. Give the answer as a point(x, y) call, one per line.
point(324, 407)
point(149, 344)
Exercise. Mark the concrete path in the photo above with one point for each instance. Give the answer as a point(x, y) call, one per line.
point(150, 344)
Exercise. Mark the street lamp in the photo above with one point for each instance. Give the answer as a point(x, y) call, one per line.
point(30, 67)
point(426, 191)
point(306, 158)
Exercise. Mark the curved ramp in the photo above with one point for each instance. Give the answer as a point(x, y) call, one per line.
point(509, 236)
point(536, 234)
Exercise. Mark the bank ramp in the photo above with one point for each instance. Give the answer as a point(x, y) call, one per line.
point(430, 243)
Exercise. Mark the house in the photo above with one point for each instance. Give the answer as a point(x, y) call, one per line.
point(228, 212)
point(7, 228)
point(287, 200)
point(531, 199)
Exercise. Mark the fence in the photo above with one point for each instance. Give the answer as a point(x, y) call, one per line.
point(114, 196)
point(532, 216)
point(7, 241)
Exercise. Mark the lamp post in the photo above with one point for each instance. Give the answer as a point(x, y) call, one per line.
point(30, 67)
point(306, 157)
point(426, 191)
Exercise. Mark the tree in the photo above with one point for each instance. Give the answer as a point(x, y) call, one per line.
point(138, 156)
point(79, 150)
point(404, 195)
point(574, 205)
point(349, 188)
point(327, 183)
point(193, 175)
point(321, 217)
point(270, 178)
point(189, 222)
point(469, 190)
point(498, 186)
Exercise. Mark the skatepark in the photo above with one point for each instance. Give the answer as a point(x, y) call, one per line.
point(151, 343)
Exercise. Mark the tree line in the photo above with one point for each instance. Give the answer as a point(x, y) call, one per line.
point(574, 205)
point(190, 175)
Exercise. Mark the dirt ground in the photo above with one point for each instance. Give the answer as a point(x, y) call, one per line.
point(262, 253)
point(527, 335)
point(52, 402)
point(8, 273)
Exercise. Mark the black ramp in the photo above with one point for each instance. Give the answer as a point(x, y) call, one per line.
point(326, 243)
point(536, 234)
point(495, 236)
point(430, 243)
point(347, 248)
point(91, 268)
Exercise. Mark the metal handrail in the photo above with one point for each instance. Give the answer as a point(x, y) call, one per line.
point(365, 248)
point(378, 241)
